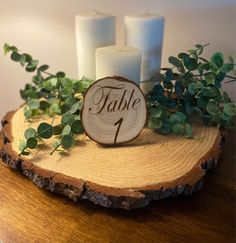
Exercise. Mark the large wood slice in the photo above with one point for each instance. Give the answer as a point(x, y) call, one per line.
point(150, 167)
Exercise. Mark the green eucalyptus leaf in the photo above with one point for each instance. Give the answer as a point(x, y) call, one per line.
point(6, 48)
point(210, 78)
point(156, 112)
point(66, 130)
point(23, 60)
point(43, 68)
point(192, 88)
point(66, 91)
point(75, 107)
point(67, 141)
point(27, 113)
point(212, 108)
point(175, 61)
point(190, 63)
point(217, 59)
point(60, 75)
point(183, 55)
point(177, 117)
point(22, 145)
point(33, 104)
point(53, 82)
point(154, 123)
point(77, 127)
point(57, 130)
point(188, 131)
point(230, 109)
point(67, 119)
point(30, 132)
point(54, 109)
point(45, 130)
point(78, 87)
point(43, 105)
point(177, 129)
point(67, 83)
point(32, 143)
point(227, 68)
point(15, 56)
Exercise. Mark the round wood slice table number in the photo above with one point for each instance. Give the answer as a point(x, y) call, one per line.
point(114, 111)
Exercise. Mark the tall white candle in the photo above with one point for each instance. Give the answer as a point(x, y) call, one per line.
point(146, 33)
point(92, 31)
point(118, 61)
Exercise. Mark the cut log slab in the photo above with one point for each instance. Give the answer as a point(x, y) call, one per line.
point(128, 176)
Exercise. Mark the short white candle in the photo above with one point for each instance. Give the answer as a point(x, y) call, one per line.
point(118, 61)
point(92, 31)
point(146, 33)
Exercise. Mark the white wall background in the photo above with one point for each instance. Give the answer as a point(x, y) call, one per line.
point(45, 29)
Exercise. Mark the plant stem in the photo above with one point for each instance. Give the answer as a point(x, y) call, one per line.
point(55, 148)
point(228, 76)
point(50, 74)
point(230, 81)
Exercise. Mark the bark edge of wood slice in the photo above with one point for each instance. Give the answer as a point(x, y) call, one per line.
point(162, 174)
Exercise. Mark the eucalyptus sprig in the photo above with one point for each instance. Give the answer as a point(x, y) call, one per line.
point(50, 94)
point(190, 90)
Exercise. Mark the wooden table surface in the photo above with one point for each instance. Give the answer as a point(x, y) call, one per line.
point(29, 214)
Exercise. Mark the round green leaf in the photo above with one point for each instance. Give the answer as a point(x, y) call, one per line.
point(30, 132)
point(57, 130)
point(60, 75)
point(212, 108)
point(210, 78)
point(22, 145)
point(78, 87)
point(66, 130)
point(33, 104)
point(32, 143)
point(217, 59)
point(23, 60)
point(43, 67)
point(66, 91)
point(230, 109)
point(67, 83)
point(183, 55)
point(67, 141)
point(67, 119)
point(190, 63)
point(178, 129)
point(15, 56)
point(227, 68)
point(156, 112)
point(28, 113)
point(154, 123)
point(77, 127)
point(192, 88)
point(175, 61)
point(45, 130)
point(188, 131)
point(44, 105)
point(177, 117)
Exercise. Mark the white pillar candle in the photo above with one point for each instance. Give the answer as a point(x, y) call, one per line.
point(92, 31)
point(146, 33)
point(118, 61)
